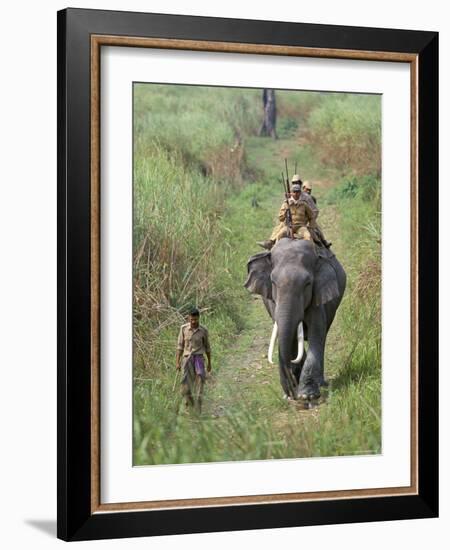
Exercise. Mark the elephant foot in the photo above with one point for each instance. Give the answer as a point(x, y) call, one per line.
point(308, 393)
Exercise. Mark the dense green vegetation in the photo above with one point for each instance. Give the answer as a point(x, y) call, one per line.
point(345, 130)
point(205, 189)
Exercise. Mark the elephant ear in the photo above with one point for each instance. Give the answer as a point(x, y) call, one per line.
point(259, 268)
point(325, 283)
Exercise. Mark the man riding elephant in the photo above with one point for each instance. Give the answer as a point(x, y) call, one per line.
point(303, 214)
point(307, 188)
point(307, 191)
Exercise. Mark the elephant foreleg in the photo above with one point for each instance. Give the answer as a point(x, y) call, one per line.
point(290, 374)
point(297, 368)
point(322, 380)
point(312, 373)
point(288, 381)
point(309, 383)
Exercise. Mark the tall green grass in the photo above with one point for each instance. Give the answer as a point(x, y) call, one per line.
point(203, 126)
point(357, 383)
point(189, 158)
point(346, 132)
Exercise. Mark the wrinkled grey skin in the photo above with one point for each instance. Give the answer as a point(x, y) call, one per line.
point(298, 285)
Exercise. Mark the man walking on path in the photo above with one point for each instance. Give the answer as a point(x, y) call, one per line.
point(192, 345)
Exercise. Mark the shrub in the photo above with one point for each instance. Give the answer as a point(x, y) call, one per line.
point(367, 188)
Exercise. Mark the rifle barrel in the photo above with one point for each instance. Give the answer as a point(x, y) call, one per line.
point(287, 175)
point(283, 183)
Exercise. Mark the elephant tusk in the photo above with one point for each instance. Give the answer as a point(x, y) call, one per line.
point(272, 343)
point(300, 344)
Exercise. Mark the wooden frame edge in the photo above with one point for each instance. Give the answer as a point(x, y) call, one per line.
point(95, 273)
point(414, 274)
point(254, 499)
point(235, 47)
point(110, 40)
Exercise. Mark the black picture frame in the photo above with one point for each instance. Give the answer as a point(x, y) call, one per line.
point(76, 520)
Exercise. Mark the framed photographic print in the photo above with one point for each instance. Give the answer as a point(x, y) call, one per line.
point(247, 261)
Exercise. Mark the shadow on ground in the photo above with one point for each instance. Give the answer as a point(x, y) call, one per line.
point(47, 526)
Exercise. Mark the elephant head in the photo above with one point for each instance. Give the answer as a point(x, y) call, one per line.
point(301, 291)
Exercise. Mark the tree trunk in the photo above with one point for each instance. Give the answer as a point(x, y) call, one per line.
point(268, 127)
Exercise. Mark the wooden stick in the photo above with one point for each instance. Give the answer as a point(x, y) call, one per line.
point(175, 381)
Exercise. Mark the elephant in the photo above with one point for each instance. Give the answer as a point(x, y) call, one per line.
point(301, 286)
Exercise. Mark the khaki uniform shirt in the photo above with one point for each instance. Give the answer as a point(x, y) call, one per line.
point(193, 341)
point(304, 211)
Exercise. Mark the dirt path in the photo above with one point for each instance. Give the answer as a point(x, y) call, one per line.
point(245, 367)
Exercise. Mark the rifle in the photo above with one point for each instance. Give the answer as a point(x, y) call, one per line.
point(287, 194)
point(287, 176)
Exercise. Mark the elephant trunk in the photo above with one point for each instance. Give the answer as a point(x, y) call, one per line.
point(286, 343)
